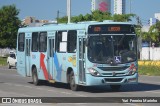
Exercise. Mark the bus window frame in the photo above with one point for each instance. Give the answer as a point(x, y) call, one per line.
point(58, 41)
point(37, 42)
point(40, 43)
point(68, 44)
point(23, 43)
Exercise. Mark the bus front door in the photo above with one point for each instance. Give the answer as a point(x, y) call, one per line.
point(27, 56)
point(50, 62)
point(82, 78)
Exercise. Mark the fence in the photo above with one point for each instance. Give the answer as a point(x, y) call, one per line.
point(150, 53)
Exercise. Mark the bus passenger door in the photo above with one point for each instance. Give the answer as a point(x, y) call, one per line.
point(27, 56)
point(50, 62)
point(82, 78)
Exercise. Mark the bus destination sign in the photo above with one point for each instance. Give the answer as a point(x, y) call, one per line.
point(110, 29)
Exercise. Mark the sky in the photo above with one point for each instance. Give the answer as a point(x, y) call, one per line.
point(47, 9)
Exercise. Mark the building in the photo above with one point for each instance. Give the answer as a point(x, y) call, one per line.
point(102, 5)
point(119, 6)
point(152, 21)
point(32, 21)
point(29, 20)
point(157, 16)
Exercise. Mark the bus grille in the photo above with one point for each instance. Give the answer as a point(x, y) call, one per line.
point(113, 68)
point(113, 79)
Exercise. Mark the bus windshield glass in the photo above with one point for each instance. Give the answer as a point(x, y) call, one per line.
point(112, 48)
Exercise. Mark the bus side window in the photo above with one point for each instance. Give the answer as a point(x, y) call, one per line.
point(35, 42)
point(21, 42)
point(43, 42)
point(61, 41)
point(72, 41)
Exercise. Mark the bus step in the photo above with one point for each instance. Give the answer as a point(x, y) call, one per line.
point(51, 81)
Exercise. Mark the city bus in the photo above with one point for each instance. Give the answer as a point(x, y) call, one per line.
point(79, 54)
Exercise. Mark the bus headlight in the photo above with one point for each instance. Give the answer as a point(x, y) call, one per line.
point(93, 72)
point(132, 69)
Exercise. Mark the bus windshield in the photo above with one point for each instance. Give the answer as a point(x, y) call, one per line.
point(112, 48)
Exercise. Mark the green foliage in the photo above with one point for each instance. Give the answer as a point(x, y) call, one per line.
point(3, 61)
point(9, 24)
point(152, 35)
point(98, 16)
point(154, 32)
point(123, 17)
point(151, 68)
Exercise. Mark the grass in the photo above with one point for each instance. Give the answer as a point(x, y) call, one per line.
point(3, 61)
point(150, 68)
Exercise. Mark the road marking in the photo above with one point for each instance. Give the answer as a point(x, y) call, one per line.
point(152, 91)
point(133, 104)
point(81, 95)
point(11, 75)
point(15, 93)
point(18, 85)
point(8, 84)
point(141, 81)
point(66, 93)
point(28, 86)
point(39, 88)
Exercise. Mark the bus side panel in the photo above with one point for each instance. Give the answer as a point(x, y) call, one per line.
point(21, 63)
point(35, 61)
point(21, 58)
point(62, 62)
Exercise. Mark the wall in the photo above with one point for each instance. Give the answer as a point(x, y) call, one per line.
point(150, 53)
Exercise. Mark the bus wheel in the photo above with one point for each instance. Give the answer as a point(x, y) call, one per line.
point(115, 87)
point(35, 77)
point(73, 85)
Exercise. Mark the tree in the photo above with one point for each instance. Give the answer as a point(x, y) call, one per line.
point(98, 16)
point(154, 32)
point(123, 17)
point(9, 24)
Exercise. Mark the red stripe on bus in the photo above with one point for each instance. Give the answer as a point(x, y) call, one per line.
point(43, 67)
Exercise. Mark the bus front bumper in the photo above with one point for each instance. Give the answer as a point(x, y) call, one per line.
point(92, 80)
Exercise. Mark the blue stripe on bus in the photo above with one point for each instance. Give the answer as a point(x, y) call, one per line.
point(58, 67)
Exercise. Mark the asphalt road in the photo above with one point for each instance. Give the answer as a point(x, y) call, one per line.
point(14, 85)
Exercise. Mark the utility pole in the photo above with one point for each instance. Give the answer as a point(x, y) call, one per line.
point(57, 15)
point(69, 10)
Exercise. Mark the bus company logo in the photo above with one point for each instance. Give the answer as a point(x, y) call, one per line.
point(114, 74)
point(6, 100)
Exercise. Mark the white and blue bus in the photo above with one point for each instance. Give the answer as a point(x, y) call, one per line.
point(86, 54)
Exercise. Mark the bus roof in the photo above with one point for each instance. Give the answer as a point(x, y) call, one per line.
point(69, 26)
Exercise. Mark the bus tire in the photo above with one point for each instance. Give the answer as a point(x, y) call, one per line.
point(115, 87)
point(35, 77)
point(73, 85)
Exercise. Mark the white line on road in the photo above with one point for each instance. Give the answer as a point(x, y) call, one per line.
point(28, 86)
point(11, 75)
point(152, 91)
point(66, 93)
point(81, 95)
point(14, 93)
point(149, 82)
point(132, 104)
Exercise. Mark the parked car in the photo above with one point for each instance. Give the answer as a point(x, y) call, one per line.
point(12, 60)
